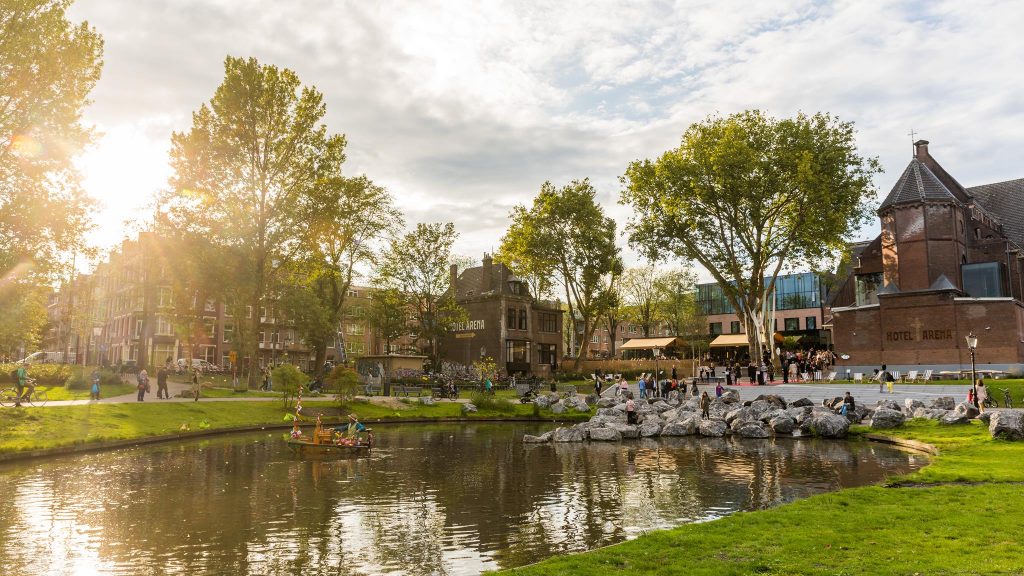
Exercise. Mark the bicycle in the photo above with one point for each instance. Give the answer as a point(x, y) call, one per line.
point(37, 397)
point(1007, 399)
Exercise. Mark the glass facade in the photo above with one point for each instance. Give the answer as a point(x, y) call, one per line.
point(867, 286)
point(792, 292)
point(983, 280)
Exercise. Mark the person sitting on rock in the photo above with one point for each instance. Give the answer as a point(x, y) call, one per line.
point(848, 404)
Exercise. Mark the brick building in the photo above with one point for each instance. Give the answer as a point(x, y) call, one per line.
point(506, 323)
point(947, 263)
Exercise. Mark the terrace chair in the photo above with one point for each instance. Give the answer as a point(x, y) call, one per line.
point(897, 376)
point(858, 377)
point(805, 376)
point(927, 376)
point(831, 377)
point(817, 376)
point(911, 376)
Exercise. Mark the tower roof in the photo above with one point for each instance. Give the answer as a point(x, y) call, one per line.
point(918, 184)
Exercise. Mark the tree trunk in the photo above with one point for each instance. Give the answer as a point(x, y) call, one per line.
point(588, 330)
point(319, 357)
point(254, 347)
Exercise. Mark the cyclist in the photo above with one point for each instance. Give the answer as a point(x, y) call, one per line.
point(26, 386)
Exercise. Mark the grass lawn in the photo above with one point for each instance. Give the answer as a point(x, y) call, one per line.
point(106, 391)
point(55, 426)
point(960, 515)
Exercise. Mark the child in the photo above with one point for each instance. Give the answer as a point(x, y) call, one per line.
point(630, 410)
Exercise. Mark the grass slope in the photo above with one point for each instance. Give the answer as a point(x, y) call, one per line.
point(964, 519)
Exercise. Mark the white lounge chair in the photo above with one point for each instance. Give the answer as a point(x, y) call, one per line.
point(858, 377)
point(911, 376)
point(897, 376)
point(805, 376)
point(831, 377)
point(927, 376)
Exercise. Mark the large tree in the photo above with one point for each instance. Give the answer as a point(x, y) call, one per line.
point(565, 235)
point(246, 170)
point(640, 294)
point(418, 266)
point(749, 195)
point(345, 224)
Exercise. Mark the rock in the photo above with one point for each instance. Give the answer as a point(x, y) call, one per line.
point(605, 420)
point(912, 404)
point(943, 403)
point(884, 418)
point(752, 430)
point(929, 413)
point(609, 412)
point(691, 405)
point(558, 408)
point(578, 404)
point(737, 414)
point(772, 414)
point(605, 435)
point(1007, 424)
point(650, 429)
point(889, 405)
point(782, 424)
point(730, 397)
point(543, 401)
point(952, 417)
point(985, 417)
point(714, 428)
point(545, 437)
point(862, 413)
point(967, 410)
point(606, 402)
point(759, 408)
point(591, 399)
point(719, 408)
point(468, 408)
point(832, 403)
point(685, 427)
point(427, 401)
point(568, 435)
point(661, 406)
point(829, 425)
point(643, 408)
point(779, 401)
point(627, 430)
point(800, 403)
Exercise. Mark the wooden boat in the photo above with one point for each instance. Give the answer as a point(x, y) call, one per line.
point(324, 443)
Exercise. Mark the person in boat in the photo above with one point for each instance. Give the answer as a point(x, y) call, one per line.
point(354, 428)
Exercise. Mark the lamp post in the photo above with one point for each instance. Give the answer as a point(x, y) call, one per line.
point(972, 343)
point(657, 373)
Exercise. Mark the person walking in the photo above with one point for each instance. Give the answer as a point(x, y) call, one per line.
point(142, 384)
point(21, 381)
point(195, 385)
point(675, 375)
point(882, 375)
point(643, 385)
point(623, 387)
point(719, 390)
point(631, 408)
point(161, 383)
point(94, 388)
point(705, 405)
point(981, 396)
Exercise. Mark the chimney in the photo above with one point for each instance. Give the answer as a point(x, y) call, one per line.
point(921, 150)
point(486, 285)
point(454, 276)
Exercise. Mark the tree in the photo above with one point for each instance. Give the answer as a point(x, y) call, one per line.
point(345, 222)
point(24, 306)
point(48, 66)
point(388, 316)
point(565, 235)
point(748, 195)
point(615, 312)
point(417, 265)
point(676, 301)
point(247, 171)
point(639, 290)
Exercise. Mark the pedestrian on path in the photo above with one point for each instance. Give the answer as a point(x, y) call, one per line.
point(982, 395)
point(195, 385)
point(881, 379)
point(142, 384)
point(94, 388)
point(161, 383)
point(643, 385)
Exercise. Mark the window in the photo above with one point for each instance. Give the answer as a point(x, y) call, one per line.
point(595, 339)
point(208, 353)
point(210, 327)
point(210, 306)
point(522, 319)
point(165, 298)
point(163, 326)
point(715, 328)
point(160, 354)
point(734, 327)
point(355, 329)
point(517, 351)
point(229, 331)
point(983, 280)
point(353, 293)
point(549, 323)
point(512, 318)
point(263, 337)
point(248, 311)
point(867, 286)
point(548, 354)
point(355, 347)
point(792, 324)
point(138, 328)
point(811, 323)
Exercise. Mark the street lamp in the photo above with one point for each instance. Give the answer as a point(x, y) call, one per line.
point(972, 344)
point(657, 373)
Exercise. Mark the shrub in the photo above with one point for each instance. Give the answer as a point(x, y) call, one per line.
point(344, 381)
point(45, 374)
point(491, 403)
point(81, 379)
point(289, 378)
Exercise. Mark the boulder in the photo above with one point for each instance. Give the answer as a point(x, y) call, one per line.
point(719, 408)
point(543, 401)
point(779, 401)
point(889, 405)
point(985, 417)
point(592, 399)
point(661, 406)
point(730, 397)
point(606, 402)
point(782, 424)
point(943, 403)
point(884, 418)
point(772, 414)
point(929, 413)
point(832, 403)
point(468, 408)
point(912, 404)
point(627, 430)
point(801, 402)
point(606, 419)
point(578, 404)
point(685, 427)
point(545, 437)
point(691, 405)
point(605, 435)
point(1007, 424)
point(967, 410)
point(558, 408)
point(759, 408)
point(610, 412)
point(714, 428)
point(573, 434)
point(427, 401)
point(752, 430)
point(952, 417)
point(650, 428)
point(829, 425)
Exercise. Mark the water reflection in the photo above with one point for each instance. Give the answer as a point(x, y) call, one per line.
point(445, 499)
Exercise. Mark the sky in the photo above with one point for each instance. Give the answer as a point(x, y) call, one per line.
point(463, 109)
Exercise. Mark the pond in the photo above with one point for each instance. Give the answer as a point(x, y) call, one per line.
point(432, 499)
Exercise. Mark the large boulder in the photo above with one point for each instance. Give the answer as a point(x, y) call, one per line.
point(592, 399)
point(952, 417)
point(610, 412)
point(759, 408)
point(985, 417)
point(829, 425)
point(607, 402)
point(738, 415)
point(468, 408)
point(572, 434)
point(1007, 424)
point(801, 402)
point(545, 437)
point(884, 418)
point(650, 428)
point(832, 403)
point(912, 404)
point(930, 413)
point(779, 401)
point(782, 424)
point(558, 408)
point(943, 403)
point(605, 435)
point(606, 419)
point(661, 406)
point(684, 427)
point(426, 401)
point(714, 428)
point(968, 410)
point(730, 397)
point(691, 405)
point(578, 404)
point(627, 430)
point(752, 430)
point(543, 401)
point(888, 405)
point(719, 408)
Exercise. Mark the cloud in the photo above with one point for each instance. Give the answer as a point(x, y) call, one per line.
point(463, 110)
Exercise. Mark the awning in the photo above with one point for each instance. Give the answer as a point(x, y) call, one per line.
point(647, 343)
point(729, 340)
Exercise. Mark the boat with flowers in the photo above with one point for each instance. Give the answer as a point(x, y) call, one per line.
point(325, 442)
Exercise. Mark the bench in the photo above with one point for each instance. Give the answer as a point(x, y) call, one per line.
point(372, 389)
point(408, 389)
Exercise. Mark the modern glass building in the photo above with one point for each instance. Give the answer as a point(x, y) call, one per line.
point(798, 307)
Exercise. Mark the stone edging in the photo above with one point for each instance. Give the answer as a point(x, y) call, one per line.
point(113, 444)
point(903, 443)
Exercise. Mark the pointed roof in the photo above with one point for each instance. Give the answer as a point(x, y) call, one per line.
point(942, 283)
point(1004, 200)
point(890, 288)
point(918, 184)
